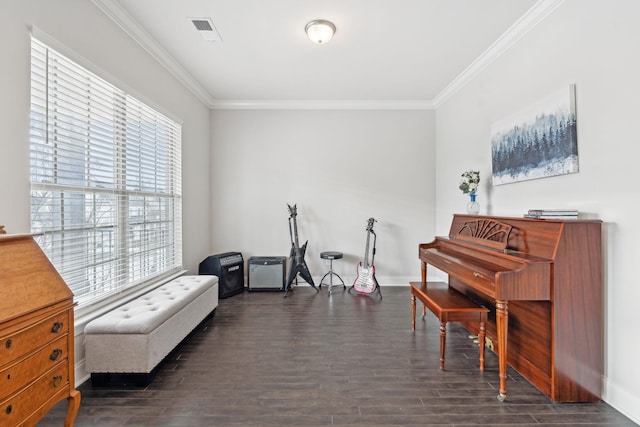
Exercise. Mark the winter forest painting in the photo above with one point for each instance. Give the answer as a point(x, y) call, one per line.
point(538, 142)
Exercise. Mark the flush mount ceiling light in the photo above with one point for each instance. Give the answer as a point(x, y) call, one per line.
point(320, 31)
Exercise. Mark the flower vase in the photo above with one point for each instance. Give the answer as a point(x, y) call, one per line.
point(473, 207)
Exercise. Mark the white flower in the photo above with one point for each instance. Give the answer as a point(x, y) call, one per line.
point(469, 182)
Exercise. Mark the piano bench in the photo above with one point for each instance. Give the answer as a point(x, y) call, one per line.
point(448, 305)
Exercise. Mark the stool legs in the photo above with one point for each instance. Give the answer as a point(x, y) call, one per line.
point(332, 273)
point(443, 339)
point(435, 302)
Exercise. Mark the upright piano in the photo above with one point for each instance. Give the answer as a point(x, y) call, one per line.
point(542, 281)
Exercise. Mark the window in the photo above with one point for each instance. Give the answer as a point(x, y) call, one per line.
point(105, 180)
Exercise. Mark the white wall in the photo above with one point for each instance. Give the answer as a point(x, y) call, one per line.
point(595, 45)
point(86, 33)
point(340, 167)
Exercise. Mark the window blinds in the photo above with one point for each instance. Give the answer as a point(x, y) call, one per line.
point(105, 180)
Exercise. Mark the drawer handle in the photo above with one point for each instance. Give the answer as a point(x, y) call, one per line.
point(55, 354)
point(8, 344)
point(57, 327)
point(57, 380)
point(476, 274)
point(9, 409)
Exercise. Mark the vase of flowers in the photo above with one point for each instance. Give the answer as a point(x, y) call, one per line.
point(469, 185)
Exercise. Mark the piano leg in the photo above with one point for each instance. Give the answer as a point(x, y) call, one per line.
point(502, 324)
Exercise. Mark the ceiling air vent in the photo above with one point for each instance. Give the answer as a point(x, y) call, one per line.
point(206, 29)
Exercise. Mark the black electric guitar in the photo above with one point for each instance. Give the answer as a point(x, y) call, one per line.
point(366, 282)
point(297, 264)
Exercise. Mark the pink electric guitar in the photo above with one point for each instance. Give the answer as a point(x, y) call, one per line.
point(366, 282)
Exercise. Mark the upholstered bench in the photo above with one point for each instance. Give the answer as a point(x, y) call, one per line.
point(448, 305)
point(136, 336)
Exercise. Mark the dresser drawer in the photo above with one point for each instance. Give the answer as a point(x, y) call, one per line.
point(27, 340)
point(23, 404)
point(16, 376)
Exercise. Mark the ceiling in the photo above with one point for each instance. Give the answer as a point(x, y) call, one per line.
point(407, 53)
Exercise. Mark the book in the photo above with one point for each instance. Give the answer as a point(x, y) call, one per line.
point(554, 212)
point(549, 216)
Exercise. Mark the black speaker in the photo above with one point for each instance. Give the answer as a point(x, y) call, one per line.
point(229, 267)
point(266, 273)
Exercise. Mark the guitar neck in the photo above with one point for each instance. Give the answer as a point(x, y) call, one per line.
point(369, 233)
point(293, 213)
point(366, 250)
point(296, 243)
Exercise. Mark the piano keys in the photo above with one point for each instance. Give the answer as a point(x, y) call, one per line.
point(542, 281)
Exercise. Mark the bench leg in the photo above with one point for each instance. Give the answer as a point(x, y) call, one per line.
point(481, 339)
point(443, 339)
point(413, 312)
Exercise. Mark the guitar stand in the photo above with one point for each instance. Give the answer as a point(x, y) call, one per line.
point(377, 292)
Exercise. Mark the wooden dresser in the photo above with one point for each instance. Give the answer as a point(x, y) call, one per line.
point(36, 335)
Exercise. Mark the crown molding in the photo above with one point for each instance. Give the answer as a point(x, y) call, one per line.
point(522, 26)
point(321, 105)
point(120, 16)
point(528, 21)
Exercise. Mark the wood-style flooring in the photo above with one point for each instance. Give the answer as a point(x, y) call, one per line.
point(314, 359)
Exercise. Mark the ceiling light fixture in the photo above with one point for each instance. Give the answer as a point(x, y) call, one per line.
point(320, 31)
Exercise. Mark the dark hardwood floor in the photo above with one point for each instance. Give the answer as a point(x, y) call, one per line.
point(318, 360)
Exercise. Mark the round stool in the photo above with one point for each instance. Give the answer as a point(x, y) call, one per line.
point(331, 255)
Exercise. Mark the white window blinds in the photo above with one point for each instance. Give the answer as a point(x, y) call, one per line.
point(105, 180)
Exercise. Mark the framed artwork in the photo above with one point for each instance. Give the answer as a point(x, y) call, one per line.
point(537, 142)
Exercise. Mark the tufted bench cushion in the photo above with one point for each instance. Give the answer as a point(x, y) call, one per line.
point(147, 312)
point(136, 336)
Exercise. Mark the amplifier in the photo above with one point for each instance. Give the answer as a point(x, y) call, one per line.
point(229, 267)
point(266, 273)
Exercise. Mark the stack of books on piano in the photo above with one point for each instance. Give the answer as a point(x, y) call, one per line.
point(552, 214)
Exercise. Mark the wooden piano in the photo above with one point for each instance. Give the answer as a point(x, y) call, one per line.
point(542, 281)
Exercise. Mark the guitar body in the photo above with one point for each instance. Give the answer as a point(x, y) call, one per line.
point(298, 253)
point(365, 282)
point(299, 266)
